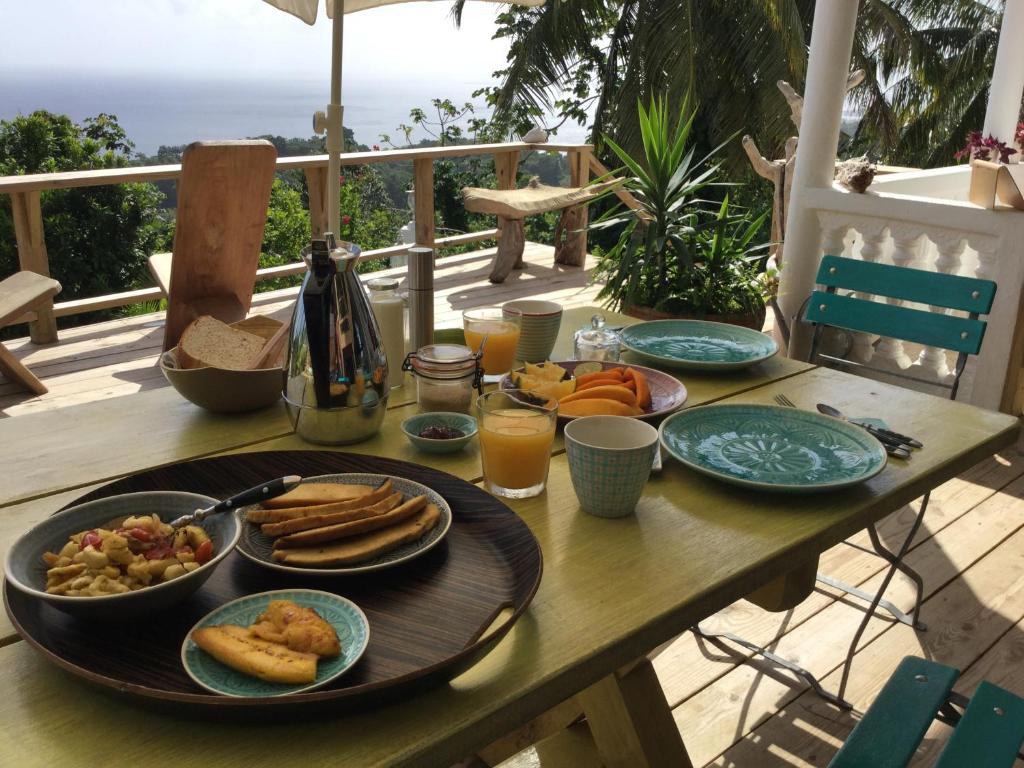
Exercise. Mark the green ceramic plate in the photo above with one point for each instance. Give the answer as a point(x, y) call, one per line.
point(772, 448)
point(697, 344)
point(348, 621)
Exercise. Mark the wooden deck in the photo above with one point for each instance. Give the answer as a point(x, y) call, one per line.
point(118, 357)
point(970, 552)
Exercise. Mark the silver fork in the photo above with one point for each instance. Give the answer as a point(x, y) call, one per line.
point(892, 450)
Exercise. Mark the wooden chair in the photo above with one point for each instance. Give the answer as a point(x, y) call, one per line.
point(20, 293)
point(223, 196)
point(842, 304)
point(989, 727)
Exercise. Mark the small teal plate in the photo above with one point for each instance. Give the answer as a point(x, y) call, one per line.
point(772, 448)
point(348, 621)
point(697, 344)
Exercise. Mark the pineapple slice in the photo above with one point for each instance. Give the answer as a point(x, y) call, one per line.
point(546, 371)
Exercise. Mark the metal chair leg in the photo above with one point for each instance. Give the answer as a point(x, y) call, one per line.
point(778, 661)
point(912, 619)
point(878, 596)
point(903, 568)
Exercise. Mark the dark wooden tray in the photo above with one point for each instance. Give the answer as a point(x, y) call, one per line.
point(427, 617)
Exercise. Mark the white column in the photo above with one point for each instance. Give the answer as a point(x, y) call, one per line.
point(827, 69)
point(1004, 95)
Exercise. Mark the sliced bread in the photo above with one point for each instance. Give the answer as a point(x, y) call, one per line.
point(207, 342)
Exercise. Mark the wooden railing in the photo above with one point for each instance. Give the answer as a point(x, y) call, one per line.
point(25, 192)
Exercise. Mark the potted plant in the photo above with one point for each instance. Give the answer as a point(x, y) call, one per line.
point(677, 255)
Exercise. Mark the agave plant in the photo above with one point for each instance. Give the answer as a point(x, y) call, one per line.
point(675, 252)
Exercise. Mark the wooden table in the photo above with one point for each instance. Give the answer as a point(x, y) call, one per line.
point(612, 589)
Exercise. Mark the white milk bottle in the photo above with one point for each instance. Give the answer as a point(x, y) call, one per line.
point(389, 309)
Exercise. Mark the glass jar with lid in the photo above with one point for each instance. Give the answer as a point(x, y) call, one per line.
point(446, 377)
point(596, 342)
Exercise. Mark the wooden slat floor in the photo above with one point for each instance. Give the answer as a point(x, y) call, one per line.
point(118, 357)
point(970, 552)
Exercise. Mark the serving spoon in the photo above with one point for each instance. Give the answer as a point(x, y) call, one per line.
point(253, 495)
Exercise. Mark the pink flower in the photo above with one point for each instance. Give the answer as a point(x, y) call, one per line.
point(341, 179)
point(346, 219)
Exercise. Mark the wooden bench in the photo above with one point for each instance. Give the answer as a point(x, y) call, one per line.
point(21, 293)
point(513, 205)
point(988, 732)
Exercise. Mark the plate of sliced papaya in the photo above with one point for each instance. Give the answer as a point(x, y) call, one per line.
point(591, 388)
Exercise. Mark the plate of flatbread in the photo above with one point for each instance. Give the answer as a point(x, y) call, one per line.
point(344, 524)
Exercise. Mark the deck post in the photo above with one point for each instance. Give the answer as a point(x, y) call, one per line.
point(506, 168)
point(316, 187)
point(423, 184)
point(573, 250)
point(28, 231)
point(827, 71)
point(1004, 93)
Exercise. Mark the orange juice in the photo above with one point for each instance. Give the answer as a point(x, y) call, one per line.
point(500, 349)
point(515, 447)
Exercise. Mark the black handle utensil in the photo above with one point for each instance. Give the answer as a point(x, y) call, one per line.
point(253, 495)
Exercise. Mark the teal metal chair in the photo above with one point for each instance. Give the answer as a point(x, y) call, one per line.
point(839, 303)
point(833, 306)
point(989, 727)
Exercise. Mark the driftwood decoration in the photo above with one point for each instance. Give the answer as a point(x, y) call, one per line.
point(780, 172)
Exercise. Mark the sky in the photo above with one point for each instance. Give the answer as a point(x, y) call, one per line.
point(245, 39)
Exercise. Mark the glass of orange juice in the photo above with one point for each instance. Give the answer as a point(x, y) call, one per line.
point(516, 433)
point(498, 332)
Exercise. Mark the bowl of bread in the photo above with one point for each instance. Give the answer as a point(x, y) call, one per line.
point(228, 368)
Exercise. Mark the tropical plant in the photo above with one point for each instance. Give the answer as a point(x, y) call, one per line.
point(675, 252)
point(928, 64)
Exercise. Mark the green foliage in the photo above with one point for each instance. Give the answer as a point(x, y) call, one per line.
point(367, 217)
point(97, 238)
point(286, 233)
point(928, 63)
point(674, 253)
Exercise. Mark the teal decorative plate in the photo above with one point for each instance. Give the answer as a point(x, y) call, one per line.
point(697, 344)
point(772, 448)
point(348, 621)
point(256, 546)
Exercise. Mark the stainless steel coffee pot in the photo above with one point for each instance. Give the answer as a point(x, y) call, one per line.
point(336, 389)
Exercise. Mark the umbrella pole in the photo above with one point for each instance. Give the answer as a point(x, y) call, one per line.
point(335, 133)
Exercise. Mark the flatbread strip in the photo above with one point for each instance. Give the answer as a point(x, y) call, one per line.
point(290, 513)
point(346, 530)
point(309, 494)
point(365, 547)
point(319, 521)
point(236, 647)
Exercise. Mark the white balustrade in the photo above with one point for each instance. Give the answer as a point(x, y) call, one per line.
point(918, 245)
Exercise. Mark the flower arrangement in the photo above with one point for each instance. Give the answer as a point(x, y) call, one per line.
point(990, 148)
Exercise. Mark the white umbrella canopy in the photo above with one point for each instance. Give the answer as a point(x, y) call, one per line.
point(330, 121)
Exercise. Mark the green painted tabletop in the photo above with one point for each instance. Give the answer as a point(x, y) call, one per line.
point(612, 589)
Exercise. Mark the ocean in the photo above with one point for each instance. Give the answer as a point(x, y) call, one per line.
point(157, 110)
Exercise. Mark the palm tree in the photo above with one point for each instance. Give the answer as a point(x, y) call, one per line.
point(927, 62)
